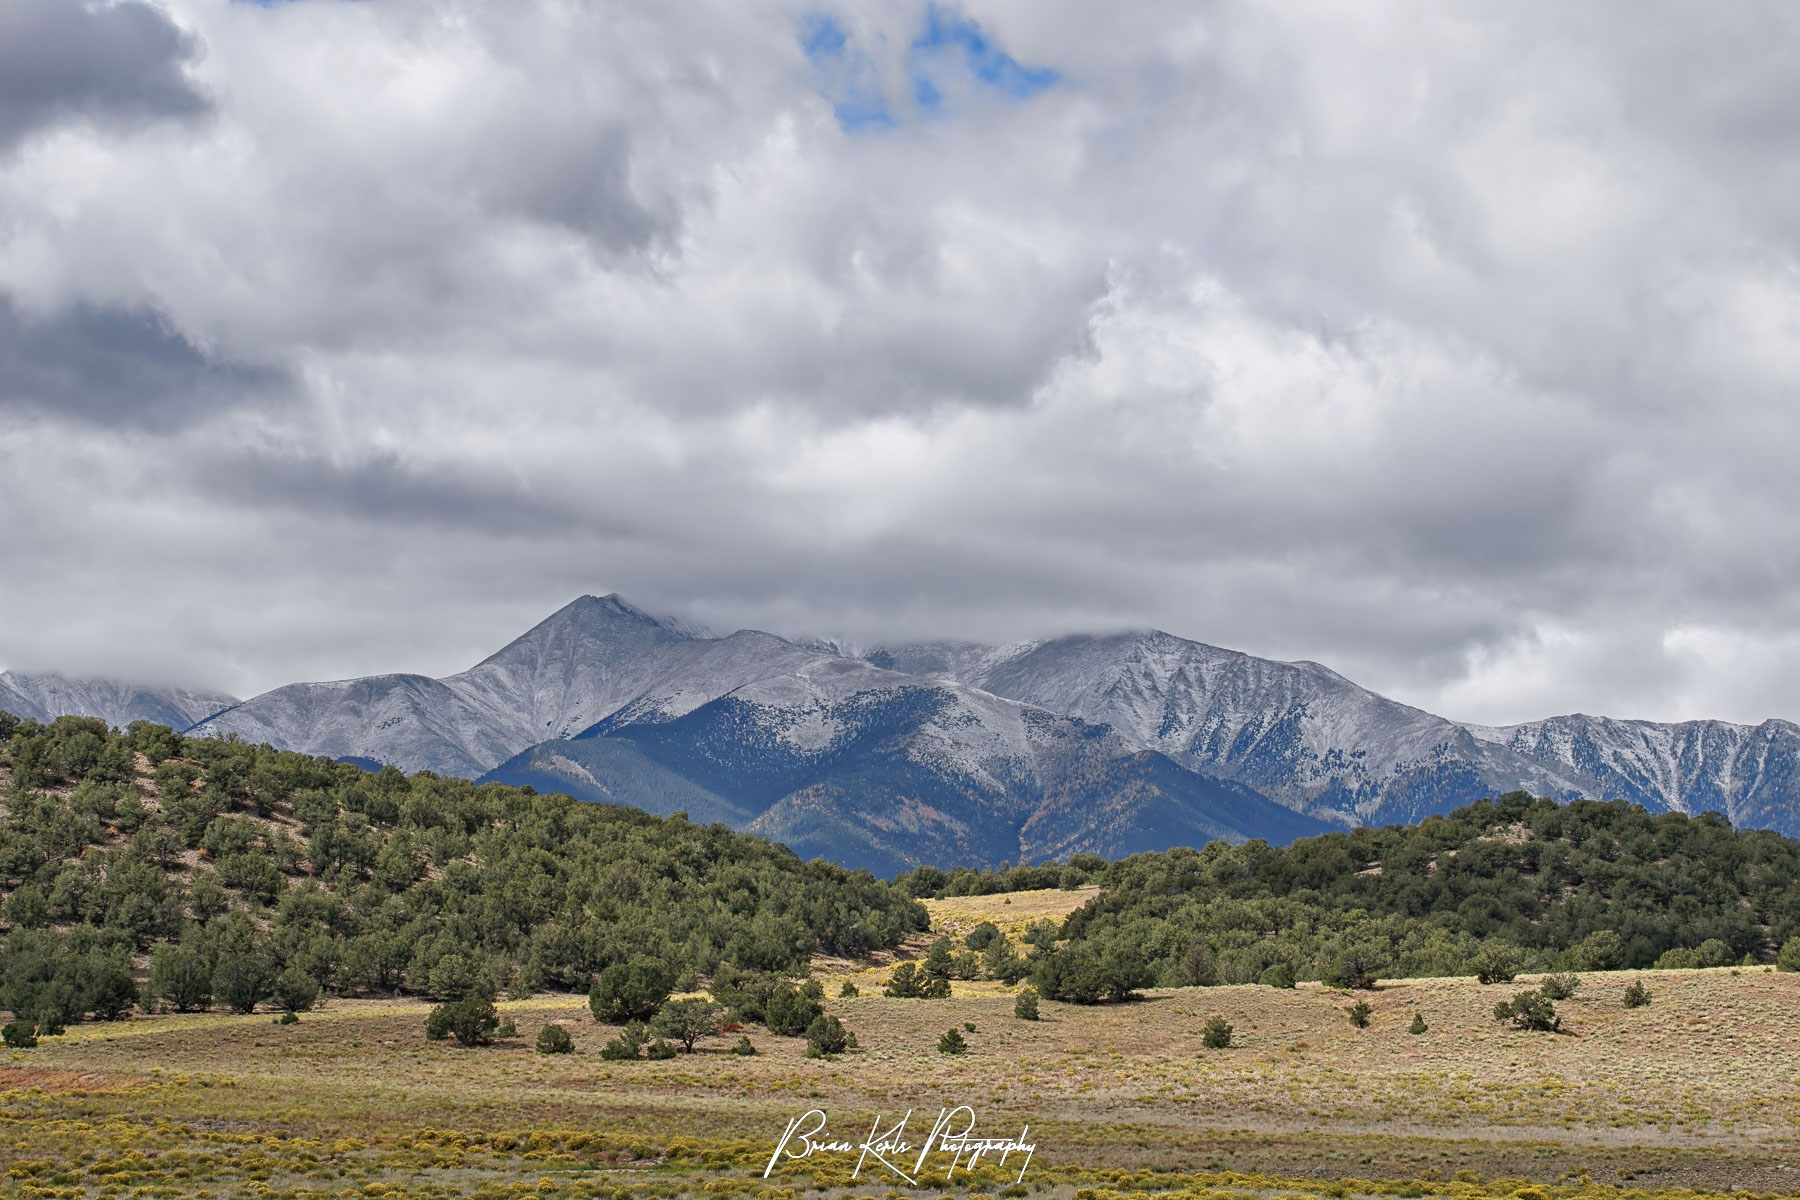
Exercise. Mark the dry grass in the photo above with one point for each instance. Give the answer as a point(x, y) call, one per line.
point(1698, 1089)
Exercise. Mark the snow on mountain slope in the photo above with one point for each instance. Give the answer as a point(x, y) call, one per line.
point(44, 697)
point(1297, 732)
point(572, 669)
point(1749, 773)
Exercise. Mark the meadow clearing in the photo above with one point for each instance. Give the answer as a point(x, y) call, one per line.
point(1699, 1090)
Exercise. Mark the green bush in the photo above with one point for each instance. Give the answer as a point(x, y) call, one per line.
point(792, 1009)
point(180, 978)
point(1560, 987)
point(1278, 975)
point(471, 1021)
point(1359, 1014)
point(910, 983)
point(1636, 995)
point(630, 991)
point(1497, 962)
point(687, 1021)
point(295, 991)
point(660, 1049)
point(825, 1037)
point(848, 990)
point(1026, 1006)
point(1788, 958)
point(554, 1039)
point(626, 1046)
point(744, 1047)
point(1529, 1010)
point(19, 1035)
point(1217, 1034)
point(982, 936)
point(1598, 951)
point(1418, 1024)
point(952, 1043)
point(242, 981)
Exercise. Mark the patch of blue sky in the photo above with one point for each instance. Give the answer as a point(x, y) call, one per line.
point(951, 57)
point(949, 37)
point(845, 74)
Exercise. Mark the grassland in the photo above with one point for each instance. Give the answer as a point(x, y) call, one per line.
point(1696, 1091)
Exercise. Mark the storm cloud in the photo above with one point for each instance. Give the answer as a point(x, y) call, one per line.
point(1455, 347)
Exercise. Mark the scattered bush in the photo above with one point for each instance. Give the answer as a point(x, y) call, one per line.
point(630, 1041)
point(630, 991)
point(660, 1049)
point(791, 1009)
point(554, 1039)
point(19, 1035)
point(952, 1042)
point(1279, 975)
point(848, 990)
point(1357, 967)
point(826, 1037)
point(1026, 1006)
point(1359, 1014)
point(744, 1047)
point(1497, 962)
point(1636, 994)
point(908, 982)
point(687, 1021)
point(1530, 1011)
point(180, 978)
point(1598, 951)
point(471, 1021)
point(1560, 987)
point(1418, 1024)
point(1788, 958)
point(1217, 1034)
point(295, 991)
point(982, 936)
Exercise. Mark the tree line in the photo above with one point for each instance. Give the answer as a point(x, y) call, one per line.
point(241, 875)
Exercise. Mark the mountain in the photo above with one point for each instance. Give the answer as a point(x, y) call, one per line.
point(44, 697)
point(842, 760)
point(1298, 733)
point(1307, 737)
point(967, 752)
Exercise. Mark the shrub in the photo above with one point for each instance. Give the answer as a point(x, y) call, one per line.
point(1026, 1006)
point(288, 1018)
point(180, 978)
point(1198, 966)
point(241, 981)
point(1713, 953)
point(631, 1039)
point(1418, 1024)
point(507, 1028)
point(1530, 1011)
point(1279, 975)
point(471, 1021)
point(687, 1021)
point(554, 1039)
point(744, 1047)
point(1636, 994)
point(1497, 962)
point(1217, 1034)
point(1788, 958)
point(660, 1049)
point(1560, 987)
point(630, 991)
point(295, 990)
point(952, 1043)
point(1600, 950)
point(1357, 967)
point(1678, 959)
point(826, 1036)
point(792, 1009)
point(19, 1035)
point(1359, 1014)
point(908, 982)
point(848, 990)
point(982, 936)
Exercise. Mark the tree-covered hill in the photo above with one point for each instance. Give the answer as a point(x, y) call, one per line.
point(243, 863)
point(1544, 885)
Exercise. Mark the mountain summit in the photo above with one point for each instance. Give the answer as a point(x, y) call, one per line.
point(966, 752)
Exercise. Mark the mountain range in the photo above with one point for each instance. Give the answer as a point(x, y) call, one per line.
point(958, 752)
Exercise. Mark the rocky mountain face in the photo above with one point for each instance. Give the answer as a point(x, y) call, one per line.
point(961, 752)
point(44, 697)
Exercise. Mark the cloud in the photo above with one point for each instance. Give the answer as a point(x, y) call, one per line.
point(1451, 348)
point(120, 63)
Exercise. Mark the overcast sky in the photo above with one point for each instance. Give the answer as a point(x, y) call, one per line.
point(1456, 346)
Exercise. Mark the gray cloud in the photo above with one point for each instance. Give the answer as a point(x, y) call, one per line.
point(122, 62)
point(117, 367)
point(1454, 350)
